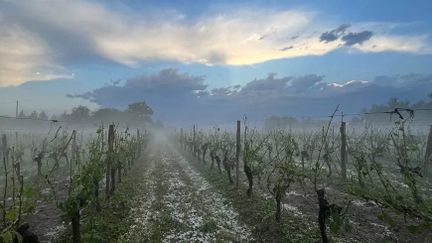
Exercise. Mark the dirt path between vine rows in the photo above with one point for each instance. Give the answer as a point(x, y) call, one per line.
point(46, 221)
point(177, 204)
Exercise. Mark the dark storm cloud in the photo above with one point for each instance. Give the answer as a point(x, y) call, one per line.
point(168, 79)
point(333, 35)
point(405, 80)
point(416, 78)
point(267, 84)
point(168, 87)
point(351, 39)
point(302, 84)
point(225, 91)
point(283, 85)
point(182, 98)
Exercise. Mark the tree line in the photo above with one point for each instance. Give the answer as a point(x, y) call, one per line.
point(135, 113)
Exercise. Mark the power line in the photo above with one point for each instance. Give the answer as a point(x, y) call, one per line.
point(7, 102)
point(30, 118)
point(396, 111)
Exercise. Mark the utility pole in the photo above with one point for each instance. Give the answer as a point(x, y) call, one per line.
point(16, 109)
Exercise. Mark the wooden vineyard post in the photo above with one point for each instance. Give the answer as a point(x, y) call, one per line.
point(343, 150)
point(74, 148)
point(4, 148)
point(238, 148)
point(428, 155)
point(109, 159)
point(16, 139)
point(5, 189)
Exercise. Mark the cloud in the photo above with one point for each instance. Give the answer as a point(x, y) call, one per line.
point(168, 92)
point(25, 57)
point(286, 48)
point(376, 39)
point(381, 43)
point(281, 86)
point(168, 79)
point(302, 84)
point(182, 99)
point(267, 84)
point(351, 83)
point(50, 35)
point(335, 34)
point(348, 39)
point(351, 38)
point(403, 81)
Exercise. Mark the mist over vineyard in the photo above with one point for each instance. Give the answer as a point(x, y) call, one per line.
point(215, 121)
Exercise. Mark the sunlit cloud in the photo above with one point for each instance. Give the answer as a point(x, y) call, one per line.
point(21, 53)
point(413, 44)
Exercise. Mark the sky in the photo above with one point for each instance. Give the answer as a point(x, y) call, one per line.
point(213, 61)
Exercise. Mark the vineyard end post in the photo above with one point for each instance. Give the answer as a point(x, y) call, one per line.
point(428, 155)
point(109, 159)
point(343, 150)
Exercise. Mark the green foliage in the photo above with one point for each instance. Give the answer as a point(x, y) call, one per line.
point(10, 236)
point(338, 222)
point(82, 187)
point(11, 214)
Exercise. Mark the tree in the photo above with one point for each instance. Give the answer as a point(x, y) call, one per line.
point(21, 114)
point(64, 117)
point(43, 115)
point(107, 114)
point(140, 110)
point(80, 113)
point(34, 115)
